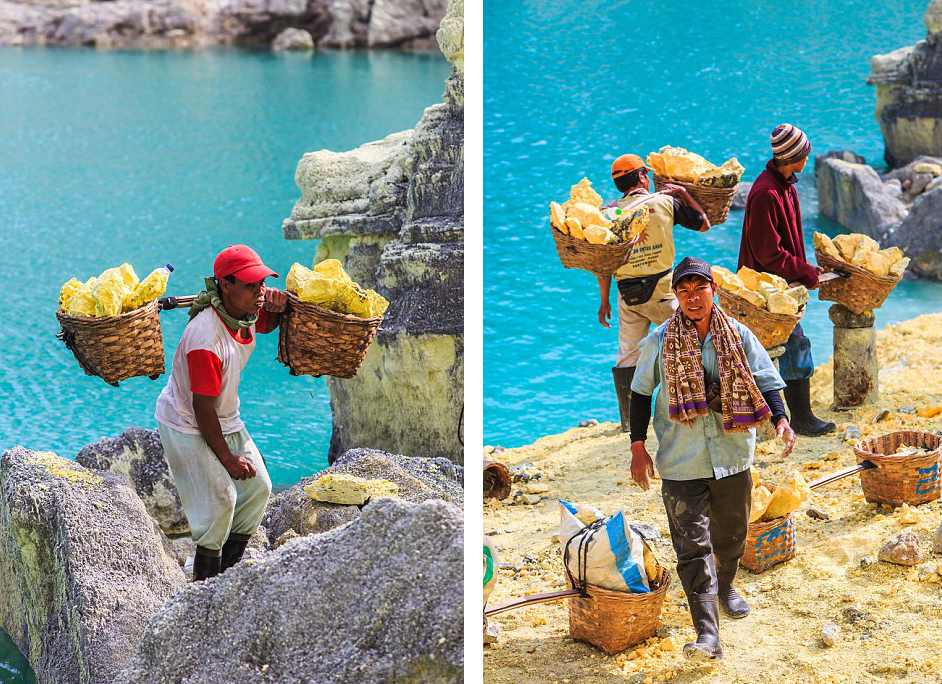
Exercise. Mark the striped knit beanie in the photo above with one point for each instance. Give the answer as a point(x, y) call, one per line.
point(789, 144)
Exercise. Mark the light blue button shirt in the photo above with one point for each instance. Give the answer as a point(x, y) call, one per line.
point(702, 449)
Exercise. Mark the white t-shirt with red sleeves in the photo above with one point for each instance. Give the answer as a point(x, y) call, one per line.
point(209, 360)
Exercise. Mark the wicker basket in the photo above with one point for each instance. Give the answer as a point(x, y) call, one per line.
point(771, 329)
point(317, 341)
point(616, 620)
point(602, 260)
point(862, 291)
point(715, 201)
point(116, 348)
point(897, 480)
point(769, 543)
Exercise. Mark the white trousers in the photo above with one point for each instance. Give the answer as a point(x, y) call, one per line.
point(634, 323)
point(214, 503)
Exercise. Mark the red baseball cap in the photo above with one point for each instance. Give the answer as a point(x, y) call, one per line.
point(243, 263)
point(627, 163)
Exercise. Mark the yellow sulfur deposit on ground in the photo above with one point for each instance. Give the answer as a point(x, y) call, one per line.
point(329, 286)
point(764, 290)
point(676, 163)
point(863, 251)
point(582, 217)
point(115, 291)
point(340, 488)
point(67, 470)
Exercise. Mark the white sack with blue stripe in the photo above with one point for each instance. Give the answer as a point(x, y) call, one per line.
point(614, 556)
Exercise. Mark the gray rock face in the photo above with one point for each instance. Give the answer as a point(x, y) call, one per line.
point(138, 455)
point(393, 212)
point(741, 195)
point(191, 23)
point(853, 194)
point(418, 479)
point(909, 94)
point(83, 567)
point(293, 39)
point(920, 235)
point(378, 600)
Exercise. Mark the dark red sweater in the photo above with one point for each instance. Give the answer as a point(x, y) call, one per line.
point(772, 239)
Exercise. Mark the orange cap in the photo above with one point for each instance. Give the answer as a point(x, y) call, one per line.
point(627, 163)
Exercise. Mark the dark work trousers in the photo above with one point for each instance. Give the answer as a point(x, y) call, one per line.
point(708, 517)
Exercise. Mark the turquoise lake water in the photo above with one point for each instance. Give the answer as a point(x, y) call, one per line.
point(570, 85)
point(156, 157)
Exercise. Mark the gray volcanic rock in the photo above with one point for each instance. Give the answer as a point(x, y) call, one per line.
point(853, 194)
point(293, 39)
point(418, 479)
point(83, 567)
point(378, 600)
point(393, 212)
point(138, 455)
point(920, 235)
point(192, 23)
point(741, 195)
point(909, 94)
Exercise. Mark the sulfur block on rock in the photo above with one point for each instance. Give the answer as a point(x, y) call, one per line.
point(902, 550)
point(340, 488)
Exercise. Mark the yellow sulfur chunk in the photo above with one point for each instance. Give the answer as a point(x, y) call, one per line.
point(749, 278)
point(650, 563)
point(847, 245)
point(558, 217)
point(587, 215)
point(788, 496)
point(680, 164)
point(65, 294)
point(827, 246)
point(896, 270)
point(761, 497)
point(329, 286)
point(575, 228)
point(750, 296)
point(777, 282)
point(109, 296)
point(766, 290)
point(630, 222)
point(876, 263)
point(341, 488)
point(907, 515)
point(799, 293)
point(892, 254)
point(597, 235)
point(82, 303)
point(755, 477)
point(332, 268)
point(149, 289)
point(781, 303)
point(583, 192)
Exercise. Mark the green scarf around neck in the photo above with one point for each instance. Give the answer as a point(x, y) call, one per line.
point(210, 297)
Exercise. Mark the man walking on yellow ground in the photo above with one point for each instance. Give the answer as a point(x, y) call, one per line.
point(773, 241)
point(717, 384)
point(644, 282)
point(218, 471)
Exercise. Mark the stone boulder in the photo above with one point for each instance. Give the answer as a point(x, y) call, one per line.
point(741, 195)
point(83, 567)
point(920, 235)
point(902, 550)
point(909, 94)
point(418, 480)
point(384, 23)
point(378, 600)
point(293, 39)
point(853, 195)
point(138, 455)
point(393, 212)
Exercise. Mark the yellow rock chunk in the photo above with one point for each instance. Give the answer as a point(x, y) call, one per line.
point(750, 279)
point(597, 235)
point(750, 296)
point(587, 215)
point(788, 496)
point(341, 488)
point(149, 289)
point(929, 411)
point(65, 294)
point(827, 246)
point(761, 498)
point(109, 297)
point(82, 303)
point(892, 254)
point(766, 290)
point(897, 269)
point(847, 245)
point(777, 282)
point(907, 515)
point(583, 192)
point(328, 285)
point(558, 217)
point(575, 228)
point(799, 293)
point(650, 563)
point(781, 303)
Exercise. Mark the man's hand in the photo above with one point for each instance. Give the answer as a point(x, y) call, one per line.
point(642, 467)
point(275, 300)
point(784, 432)
point(705, 224)
point(239, 468)
point(671, 190)
point(605, 313)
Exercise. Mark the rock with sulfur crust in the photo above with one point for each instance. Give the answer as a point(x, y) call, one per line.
point(799, 293)
point(902, 550)
point(907, 515)
point(341, 488)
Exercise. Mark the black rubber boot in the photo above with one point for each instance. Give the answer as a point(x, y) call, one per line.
point(206, 563)
point(233, 549)
point(623, 377)
point(803, 421)
point(706, 620)
point(734, 605)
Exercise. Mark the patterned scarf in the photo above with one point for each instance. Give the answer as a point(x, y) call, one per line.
point(743, 404)
point(210, 297)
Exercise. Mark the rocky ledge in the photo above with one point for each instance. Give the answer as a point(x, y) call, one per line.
point(393, 212)
point(83, 566)
point(197, 23)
